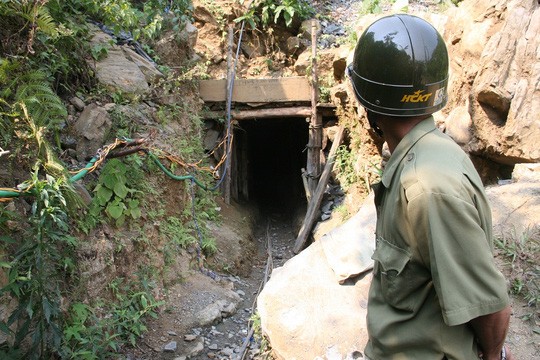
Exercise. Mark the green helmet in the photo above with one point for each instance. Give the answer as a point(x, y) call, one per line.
point(400, 67)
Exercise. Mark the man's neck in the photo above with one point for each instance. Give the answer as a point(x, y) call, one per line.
point(394, 130)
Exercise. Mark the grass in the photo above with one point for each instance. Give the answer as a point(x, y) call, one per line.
point(521, 252)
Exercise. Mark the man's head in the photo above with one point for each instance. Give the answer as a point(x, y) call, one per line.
point(400, 67)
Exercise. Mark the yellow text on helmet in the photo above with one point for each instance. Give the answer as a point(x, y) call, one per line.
point(416, 97)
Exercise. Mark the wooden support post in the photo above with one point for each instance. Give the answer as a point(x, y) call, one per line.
point(306, 186)
point(228, 150)
point(234, 170)
point(315, 202)
point(315, 126)
point(243, 166)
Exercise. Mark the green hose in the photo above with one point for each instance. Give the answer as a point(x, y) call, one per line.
point(86, 169)
point(173, 176)
point(9, 194)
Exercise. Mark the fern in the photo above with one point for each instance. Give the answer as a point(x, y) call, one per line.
point(7, 113)
point(34, 12)
point(34, 91)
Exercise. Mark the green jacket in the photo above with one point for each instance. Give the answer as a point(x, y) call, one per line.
point(434, 269)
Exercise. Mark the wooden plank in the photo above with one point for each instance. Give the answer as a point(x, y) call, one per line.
point(258, 90)
point(315, 202)
point(294, 111)
point(298, 111)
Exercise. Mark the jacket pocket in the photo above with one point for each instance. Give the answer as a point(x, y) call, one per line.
point(404, 284)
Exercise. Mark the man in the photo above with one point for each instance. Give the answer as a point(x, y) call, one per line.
point(436, 292)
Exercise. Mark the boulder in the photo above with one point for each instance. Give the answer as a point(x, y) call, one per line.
point(329, 61)
point(92, 127)
point(315, 305)
point(77, 103)
point(295, 45)
point(458, 125)
point(516, 204)
point(339, 95)
point(122, 68)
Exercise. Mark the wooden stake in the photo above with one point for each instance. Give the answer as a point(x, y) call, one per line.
point(230, 81)
point(306, 186)
point(315, 126)
point(315, 202)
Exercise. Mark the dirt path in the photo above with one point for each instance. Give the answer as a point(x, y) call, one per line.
point(234, 337)
point(178, 334)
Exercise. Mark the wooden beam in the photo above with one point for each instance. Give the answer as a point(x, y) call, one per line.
point(315, 202)
point(297, 111)
point(258, 90)
point(294, 111)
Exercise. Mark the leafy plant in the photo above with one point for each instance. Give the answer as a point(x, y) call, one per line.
point(99, 332)
point(371, 7)
point(263, 12)
point(100, 51)
point(33, 17)
point(264, 346)
point(175, 231)
point(345, 167)
point(140, 19)
point(114, 196)
point(35, 270)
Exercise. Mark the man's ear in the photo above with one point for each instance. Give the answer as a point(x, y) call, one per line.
point(372, 118)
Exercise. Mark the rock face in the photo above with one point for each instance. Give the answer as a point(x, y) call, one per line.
point(494, 96)
point(175, 48)
point(495, 71)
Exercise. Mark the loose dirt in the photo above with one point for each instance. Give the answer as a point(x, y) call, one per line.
point(234, 336)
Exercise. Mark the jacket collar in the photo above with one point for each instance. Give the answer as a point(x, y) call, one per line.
point(420, 130)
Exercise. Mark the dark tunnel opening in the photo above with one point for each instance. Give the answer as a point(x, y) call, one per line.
point(274, 152)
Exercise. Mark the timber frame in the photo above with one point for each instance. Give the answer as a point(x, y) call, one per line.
point(274, 98)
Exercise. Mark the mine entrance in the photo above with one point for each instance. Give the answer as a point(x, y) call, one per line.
point(278, 132)
point(270, 154)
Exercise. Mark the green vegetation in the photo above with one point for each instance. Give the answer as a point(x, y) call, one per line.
point(114, 195)
point(37, 268)
point(99, 332)
point(402, 6)
point(371, 7)
point(345, 167)
point(265, 348)
point(522, 263)
point(43, 62)
point(263, 12)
